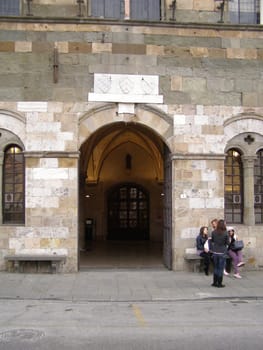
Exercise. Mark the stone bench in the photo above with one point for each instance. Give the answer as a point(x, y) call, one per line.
point(196, 260)
point(54, 259)
point(193, 258)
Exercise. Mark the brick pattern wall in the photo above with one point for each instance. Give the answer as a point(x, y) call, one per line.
point(204, 66)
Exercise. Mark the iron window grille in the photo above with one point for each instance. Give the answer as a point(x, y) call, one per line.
point(13, 186)
point(9, 7)
point(258, 188)
point(233, 187)
point(244, 11)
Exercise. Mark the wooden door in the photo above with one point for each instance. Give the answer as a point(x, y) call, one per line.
point(128, 213)
point(167, 236)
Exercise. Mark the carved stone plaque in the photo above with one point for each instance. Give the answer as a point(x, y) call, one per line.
point(126, 88)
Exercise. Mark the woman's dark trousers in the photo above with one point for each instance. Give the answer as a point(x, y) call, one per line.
point(206, 257)
point(219, 265)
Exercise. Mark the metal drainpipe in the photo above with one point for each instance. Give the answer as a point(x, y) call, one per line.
point(80, 3)
point(29, 13)
point(173, 8)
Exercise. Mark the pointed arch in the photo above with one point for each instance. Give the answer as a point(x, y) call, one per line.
point(14, 123)
point(150, 117)
point(12, 184)
point(107, 119)
point(243, 123)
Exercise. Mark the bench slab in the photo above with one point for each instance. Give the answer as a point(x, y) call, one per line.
point(192, 257)
point(195, 260)
point(55, 260)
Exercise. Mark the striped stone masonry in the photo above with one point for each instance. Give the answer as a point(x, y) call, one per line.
point(194, 88)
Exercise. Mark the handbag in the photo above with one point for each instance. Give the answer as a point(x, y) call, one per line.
point(208, 245)
point(237, 245)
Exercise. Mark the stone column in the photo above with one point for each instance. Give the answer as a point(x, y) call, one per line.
point(1, 182)
point(248, 166)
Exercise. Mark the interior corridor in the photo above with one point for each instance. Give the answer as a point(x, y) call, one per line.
point(121, 254)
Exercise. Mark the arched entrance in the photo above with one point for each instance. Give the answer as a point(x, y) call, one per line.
point(122, 195)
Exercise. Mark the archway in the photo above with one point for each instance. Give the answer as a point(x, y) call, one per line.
point(123, 159)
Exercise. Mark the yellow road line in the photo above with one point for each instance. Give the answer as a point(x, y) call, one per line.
point(139, 316)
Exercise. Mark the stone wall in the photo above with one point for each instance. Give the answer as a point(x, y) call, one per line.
point(196, 66)
point(51, 176)
point(212, 87)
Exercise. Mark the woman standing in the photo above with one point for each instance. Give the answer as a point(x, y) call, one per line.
point(220, 242)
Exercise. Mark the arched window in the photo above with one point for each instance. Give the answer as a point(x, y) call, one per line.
point(13, 186)
point(258, 188)
point(233, 187)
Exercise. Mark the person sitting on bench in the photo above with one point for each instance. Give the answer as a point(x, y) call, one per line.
point(236, 255)
point(204, 253)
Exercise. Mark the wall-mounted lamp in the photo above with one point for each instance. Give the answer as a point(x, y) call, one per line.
point(236, 154)
point(80, 2)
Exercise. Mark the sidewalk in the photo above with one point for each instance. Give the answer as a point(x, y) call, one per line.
point(128, 285)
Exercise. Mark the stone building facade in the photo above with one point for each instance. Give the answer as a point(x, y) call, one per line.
point(167, 113)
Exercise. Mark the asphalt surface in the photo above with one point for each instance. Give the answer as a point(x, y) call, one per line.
point(128, 285)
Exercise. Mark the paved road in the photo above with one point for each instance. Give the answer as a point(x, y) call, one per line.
point(130, 309)
point(159, 325)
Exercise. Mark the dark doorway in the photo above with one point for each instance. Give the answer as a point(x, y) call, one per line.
point(128, 213)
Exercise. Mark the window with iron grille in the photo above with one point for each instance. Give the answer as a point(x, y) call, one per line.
point(148, 10)
point(13, 186)
point(258, 188)
point(233, 187)
point(244, 11)
point(9, 7)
